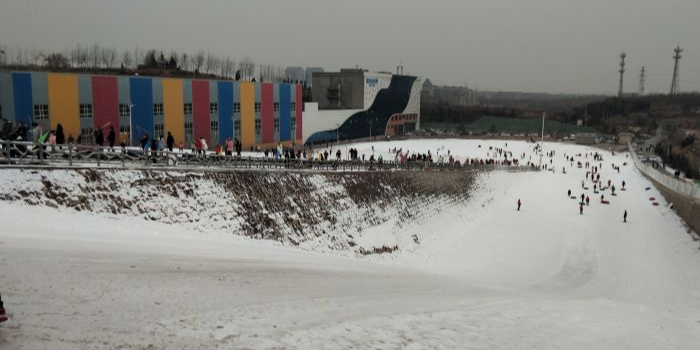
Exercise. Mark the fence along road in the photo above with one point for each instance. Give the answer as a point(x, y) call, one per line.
point(28, 154)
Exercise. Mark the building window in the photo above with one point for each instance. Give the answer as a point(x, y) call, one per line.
point(158, 130)
point(293, 106)
point(124, 111)
point(41, 112)
point(124, 128)
point(187, 108)
point(277, 126)
point(236, 107)
point(213, 108)
point(214, 126)
point(86, 111)
point(258, 127)
point(189, 133)
point(237, 128)
point(157, 109)
point(257, 106)
point(294, 126)
point(277, 106)
point(87, 136)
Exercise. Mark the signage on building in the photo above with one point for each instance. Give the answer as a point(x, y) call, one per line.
point(372, 82)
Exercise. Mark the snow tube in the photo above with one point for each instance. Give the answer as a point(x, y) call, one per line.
point(655, 204)
point(604, 202)
point(647, 189)
point(652, 198)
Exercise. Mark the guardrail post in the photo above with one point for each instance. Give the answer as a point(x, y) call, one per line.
point(99, 155)
point(123, 154)
point(7, 152)
point(70, 154)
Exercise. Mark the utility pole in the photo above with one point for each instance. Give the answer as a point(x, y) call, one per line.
point(642, 81)
point(676, 58)
point(622, 73)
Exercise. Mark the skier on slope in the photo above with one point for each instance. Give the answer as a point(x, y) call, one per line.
point(588, 201)
point(569, 193)
point(580, 209)
point(624, 216)
point(519, 203)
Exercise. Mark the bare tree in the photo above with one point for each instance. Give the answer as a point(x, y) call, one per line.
point(104, 57)
point(94, 55)
point(111, 57)
point(174, 56)
point(247, 68)
point(138, 56)
point(19, 56)
point(184, 62)
point(198, 60)
point(228, 67)
point(36, 55)
point(3, 54)
point(210, 63)
point(126, 59)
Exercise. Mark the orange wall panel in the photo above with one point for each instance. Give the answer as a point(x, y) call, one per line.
point(63, 103)
point(247, 114)
point(173, 109)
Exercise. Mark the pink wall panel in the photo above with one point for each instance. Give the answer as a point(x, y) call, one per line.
point(105, 104)
point(200, 110)
point(268, 114)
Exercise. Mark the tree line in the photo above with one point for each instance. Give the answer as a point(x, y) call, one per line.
point(96, 58)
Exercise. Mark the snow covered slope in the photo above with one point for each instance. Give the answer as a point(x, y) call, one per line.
point(356, 213)
point(484, 276)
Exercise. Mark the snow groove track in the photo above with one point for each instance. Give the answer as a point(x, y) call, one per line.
point(482, 275)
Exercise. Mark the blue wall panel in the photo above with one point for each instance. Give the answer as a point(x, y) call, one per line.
point(141, 90)
point(225, 111)
point(22, 92)
point(285, 112)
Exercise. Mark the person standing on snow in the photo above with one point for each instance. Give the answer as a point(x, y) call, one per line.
point(569, 193)
point(519, 203)
point(3, 316)
point(580, 209)
point(624, 216)
point(588, 201)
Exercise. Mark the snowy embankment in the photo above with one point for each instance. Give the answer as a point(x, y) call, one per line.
point(359, 212)
point(484, 275)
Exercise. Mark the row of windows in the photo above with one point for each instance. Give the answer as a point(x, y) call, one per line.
point(41, 111)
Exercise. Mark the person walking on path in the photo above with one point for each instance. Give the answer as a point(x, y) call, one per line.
point(519, 203)
point(624, 216)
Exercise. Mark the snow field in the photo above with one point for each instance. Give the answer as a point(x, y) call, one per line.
point(483, 276)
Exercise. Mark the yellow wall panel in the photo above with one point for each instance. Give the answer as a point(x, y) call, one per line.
point(173, 109)
point(63, 103)
point(247, 114)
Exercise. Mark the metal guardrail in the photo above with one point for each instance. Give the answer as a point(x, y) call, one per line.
point(15, 154)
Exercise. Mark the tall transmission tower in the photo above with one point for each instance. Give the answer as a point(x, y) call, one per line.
point(622, 73)
point(677, 58)
point(642, 80)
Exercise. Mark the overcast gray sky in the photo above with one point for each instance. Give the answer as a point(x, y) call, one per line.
point(528, 45)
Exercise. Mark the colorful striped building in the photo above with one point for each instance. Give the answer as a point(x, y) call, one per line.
point(256, 113)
